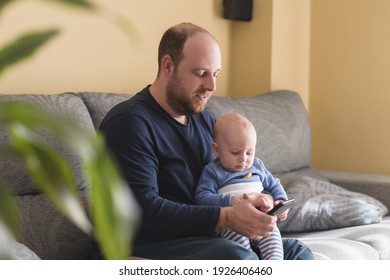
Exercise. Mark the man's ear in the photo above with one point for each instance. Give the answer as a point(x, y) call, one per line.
point(215, 149)
point(167, 66)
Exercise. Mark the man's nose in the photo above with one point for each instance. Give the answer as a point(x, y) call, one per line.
point(211, 83)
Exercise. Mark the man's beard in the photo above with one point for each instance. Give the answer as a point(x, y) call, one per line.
point(183, 102)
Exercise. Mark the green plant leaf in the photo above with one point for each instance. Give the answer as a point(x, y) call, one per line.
point(9, 212)
point(114, 211)
point(23, 47)
point(9, 215)
point(123, 24)
point(3, 3)
point(78, 3)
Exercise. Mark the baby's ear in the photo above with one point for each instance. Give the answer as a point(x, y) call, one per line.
point(215, 149)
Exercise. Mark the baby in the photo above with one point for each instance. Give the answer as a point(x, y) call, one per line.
point(236, 174)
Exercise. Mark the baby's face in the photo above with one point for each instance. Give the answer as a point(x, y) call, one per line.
point(236, 153)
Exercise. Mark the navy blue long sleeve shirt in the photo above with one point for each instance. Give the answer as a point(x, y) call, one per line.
point(162, 160)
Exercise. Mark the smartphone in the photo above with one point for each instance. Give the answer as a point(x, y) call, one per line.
point(281, 207)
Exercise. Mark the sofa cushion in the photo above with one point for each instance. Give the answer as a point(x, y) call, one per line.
point(283, 131)
point(22, 252)
point(322, 205)
point(340, 249)
point(99, 104)
point(13, 173)
point(375, 236)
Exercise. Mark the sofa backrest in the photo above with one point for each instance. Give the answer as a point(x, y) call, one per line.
point(280, 118)
point(99, 103)
point(68, 104)
point(282, 126)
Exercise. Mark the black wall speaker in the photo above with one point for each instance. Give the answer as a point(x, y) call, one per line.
point(238, 9)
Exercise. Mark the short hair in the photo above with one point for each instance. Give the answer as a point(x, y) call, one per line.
point(173, 40)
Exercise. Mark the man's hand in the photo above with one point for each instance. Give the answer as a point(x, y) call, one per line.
point(246, 219)
point(263, 199)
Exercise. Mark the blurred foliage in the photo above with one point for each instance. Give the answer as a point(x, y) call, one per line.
point(113, 209)
point(25, 45)
point(9, 213)
point(114, 212)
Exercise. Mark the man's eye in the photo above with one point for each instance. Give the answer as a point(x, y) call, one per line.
point(201, 73)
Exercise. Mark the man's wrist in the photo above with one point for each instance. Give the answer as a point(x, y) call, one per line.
point(223, 219)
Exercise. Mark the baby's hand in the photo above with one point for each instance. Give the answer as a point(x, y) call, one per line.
point(282, 216)
point(236, 199)
point(264, 200)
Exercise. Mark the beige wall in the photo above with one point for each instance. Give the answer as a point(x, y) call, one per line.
point(334, 53)
point(350, 85)
point(251, 50)
point(92, 54)
point(272, 51)
point(291, 47)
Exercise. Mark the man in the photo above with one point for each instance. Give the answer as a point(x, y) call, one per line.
point(162, 139)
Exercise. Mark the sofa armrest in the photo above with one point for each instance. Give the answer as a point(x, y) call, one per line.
point(377, 186)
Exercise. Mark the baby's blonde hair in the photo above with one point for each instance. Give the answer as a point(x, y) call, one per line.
point(230, 124)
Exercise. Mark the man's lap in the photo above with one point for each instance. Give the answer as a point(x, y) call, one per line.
point(209, 248)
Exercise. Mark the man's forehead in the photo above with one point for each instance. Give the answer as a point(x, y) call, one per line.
point(202, 50)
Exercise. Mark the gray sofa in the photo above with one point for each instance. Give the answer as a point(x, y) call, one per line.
point(338, 215)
